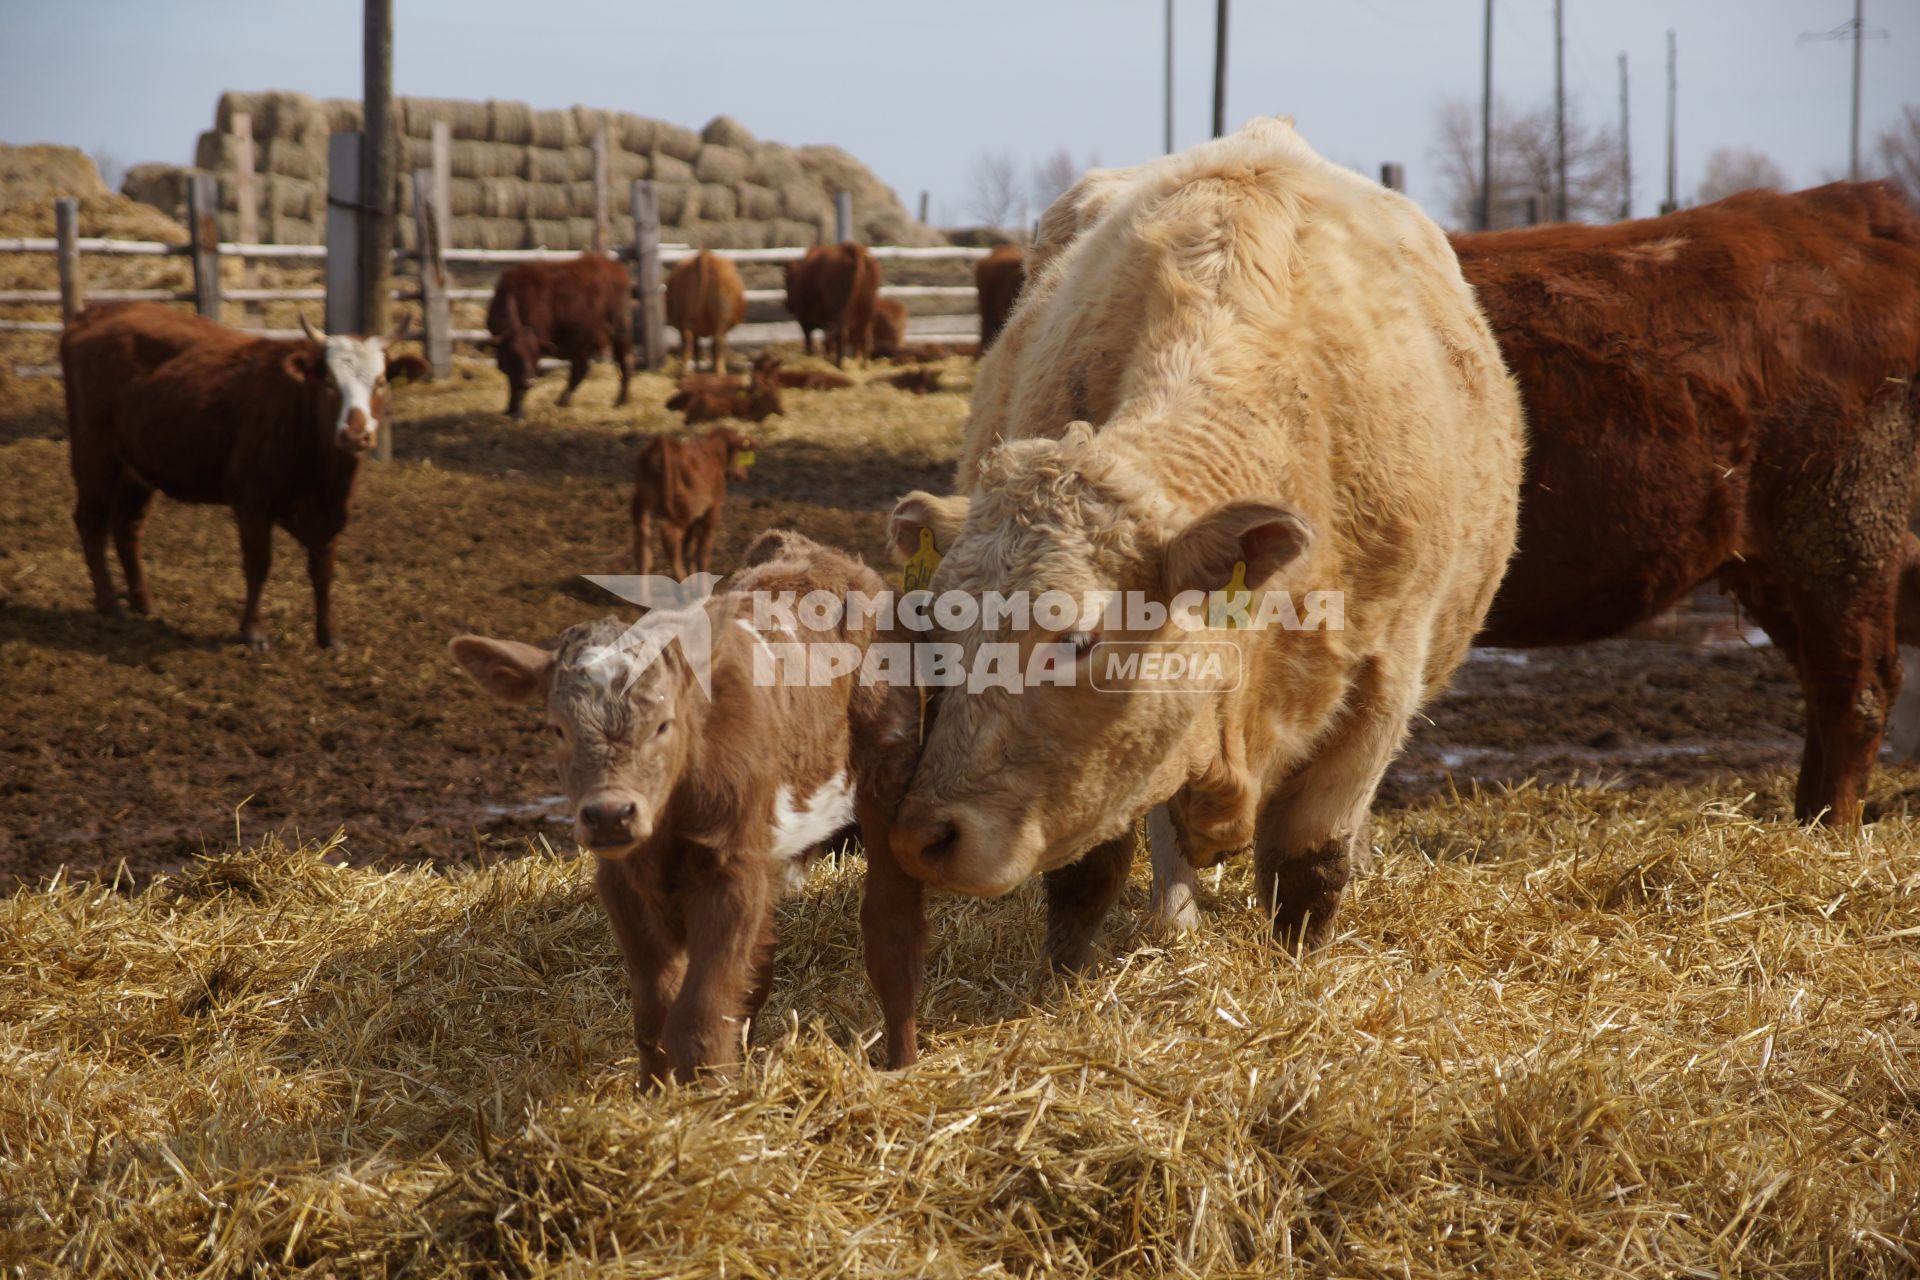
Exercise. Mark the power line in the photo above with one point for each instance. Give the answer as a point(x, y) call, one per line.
point(1855, 31)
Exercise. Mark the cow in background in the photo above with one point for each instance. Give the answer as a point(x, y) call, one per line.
point(159, 400)
point(833, 288)
point(705, 299)
point(1729, 391)
point(574, 310)
point(889, 328)
point(681, 486)
point(998, 279)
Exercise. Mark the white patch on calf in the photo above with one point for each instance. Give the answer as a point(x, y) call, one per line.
point(355, 365)
point(826, 811)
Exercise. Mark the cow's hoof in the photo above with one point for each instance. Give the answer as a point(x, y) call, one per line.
point(1176, 911)
point(257, 644)
point(325, 642)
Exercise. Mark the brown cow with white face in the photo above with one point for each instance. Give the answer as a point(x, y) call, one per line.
point(701, 808)
point(162, 401)
point(1236, 369)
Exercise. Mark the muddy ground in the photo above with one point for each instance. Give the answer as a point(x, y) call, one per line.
point(147, 741)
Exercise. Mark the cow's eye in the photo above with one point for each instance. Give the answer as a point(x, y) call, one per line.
point(559, 732)
point(661, 731)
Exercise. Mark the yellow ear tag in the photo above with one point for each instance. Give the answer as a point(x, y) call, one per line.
point(918, 574)
point(744, 458)
point(1233, 601)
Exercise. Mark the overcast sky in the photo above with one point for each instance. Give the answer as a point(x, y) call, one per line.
point(918, 90)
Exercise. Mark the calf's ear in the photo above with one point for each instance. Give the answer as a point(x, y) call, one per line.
point(1263, 533)
point(510, 671)
point(922, 510)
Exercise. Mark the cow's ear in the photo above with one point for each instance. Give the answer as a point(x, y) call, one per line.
point(507, 669)
point(944, 517)
point(410, 367)
point(306, 364)
point(1263, 534)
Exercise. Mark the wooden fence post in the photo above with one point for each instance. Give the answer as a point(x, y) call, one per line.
point(436, 314)
point(246, 202)
point(842, 216)
point(1534, 207)
point(650, 303)
point(1393, 176)
point(343, 233)
point(66, 230)
point(443, 181)
point(203, 223)
point(923, 206)
point(602, 220)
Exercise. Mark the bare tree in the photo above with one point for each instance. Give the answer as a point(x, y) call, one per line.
point(994, 197)
point(1052, 176)
point(1897, 151)
point(1731, 169)
point(1523, 163)
point(112, 168)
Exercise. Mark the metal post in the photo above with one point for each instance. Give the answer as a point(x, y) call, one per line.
point(442, 159)
point(1220, 70)
point(1559, 112)
point(66, 230)
point(650, 304)
point(842, 216)
point(343, 233)
point(377, 172)
point(923, 206)
point(1672, 201)
point(602, 218)
point(1853, 138)
point(1169, 81)
point(1393, 176)
point(1626, 147)
point(1486, 125)
point(436, 313)
point(203, 225)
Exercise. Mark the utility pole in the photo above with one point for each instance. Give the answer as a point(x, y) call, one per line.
point(1626, 146)
point(1857, 32)
point(1486, 126)
point(1220, 70)
point(376, 170)
point(1559, 112)
point(1169, 79)
point(1673, 94)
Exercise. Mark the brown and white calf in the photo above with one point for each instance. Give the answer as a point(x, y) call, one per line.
point(701, 808)
point(681, 485)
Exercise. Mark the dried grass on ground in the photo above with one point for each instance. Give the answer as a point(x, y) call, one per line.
point(1564, 1032)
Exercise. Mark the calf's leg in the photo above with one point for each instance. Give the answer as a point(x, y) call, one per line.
point(1175, 904)
point(1079, 896)
point(576, 374)
point(623, 356)
point(655, 969)
point(256, 558)
point(673, 540)
point(700, 554)
point(643, 542)
point(131, 503)
point(726, 911)
point(893, 936)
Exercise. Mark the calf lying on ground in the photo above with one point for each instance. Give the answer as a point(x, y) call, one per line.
point(682, 484)
point(160, 400)
point(919, 381)
point(889, 328)
point(704, 397)
point(767, 365)
point(700, 808)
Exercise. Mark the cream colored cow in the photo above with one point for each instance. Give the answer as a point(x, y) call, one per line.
point(1237, 363)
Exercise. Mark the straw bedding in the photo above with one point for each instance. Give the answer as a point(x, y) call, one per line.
point(1563, 1032)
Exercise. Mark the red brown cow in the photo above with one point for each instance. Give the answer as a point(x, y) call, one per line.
point(682, 486)
point(573, 310)
point(162, 401)
point(1728, 391)
point(705, 397)
point(998, 279)
point(833, 289)
point(705, 299)
point(704, 791)
point(889, 328)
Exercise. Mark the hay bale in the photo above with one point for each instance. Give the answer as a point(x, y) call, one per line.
point(463, 119)
point(486, 233)
point(289, 158)
point(807, 203)
point(761, 204)
point(722, 165)
point(788, 233)
point(637, 133)
point(580, 198)
point(678, 142)
point(510, 122)
point(717, 203)
point(343, 115)
point(485, 160)
point(214, 151)
point(591, 120)
point(555, 129)
point(233, 103)
point(163, 186)
point(505, 197)
point(543, 165)
point(580, 162)
point(41, 172)
point(547, 200)
point(625, 166)
point(679, 202)
point(579, 233)
point(725, 131)
point(669, 168)
point(547, 233)
point(466, 196)
point(776, 166)
point(285, 228)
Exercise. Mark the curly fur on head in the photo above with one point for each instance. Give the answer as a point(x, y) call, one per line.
point(1074, 486)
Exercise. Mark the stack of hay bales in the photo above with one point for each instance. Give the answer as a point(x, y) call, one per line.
point(524, 178)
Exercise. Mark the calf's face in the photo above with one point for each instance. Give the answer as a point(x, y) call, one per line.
point(1016, 781)
point(613, 715)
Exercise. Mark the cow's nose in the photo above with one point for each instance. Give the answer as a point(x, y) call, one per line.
point(928, 844)
point(608, 822)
